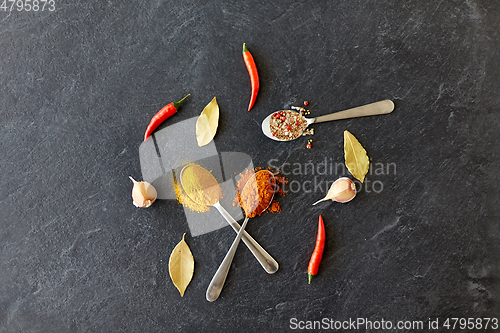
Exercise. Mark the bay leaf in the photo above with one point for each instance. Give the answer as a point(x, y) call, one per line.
point(356, 159)
point(206, 125)
point(181, 266)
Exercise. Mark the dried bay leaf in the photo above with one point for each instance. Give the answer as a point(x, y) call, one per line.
point(356, 159)
point(206, 125)
point(181, 266)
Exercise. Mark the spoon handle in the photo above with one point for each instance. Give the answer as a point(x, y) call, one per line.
point(215, 286)
point(382, 107)
point(264, 258)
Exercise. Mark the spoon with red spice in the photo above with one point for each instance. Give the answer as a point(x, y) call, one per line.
point(287, 125)
point(256, 196)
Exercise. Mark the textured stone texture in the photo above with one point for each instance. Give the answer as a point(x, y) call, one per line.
point(79, 85)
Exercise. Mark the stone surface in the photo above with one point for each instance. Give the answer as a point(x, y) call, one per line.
point(79, 85)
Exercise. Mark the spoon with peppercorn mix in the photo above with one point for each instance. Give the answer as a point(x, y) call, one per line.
point(287, 125)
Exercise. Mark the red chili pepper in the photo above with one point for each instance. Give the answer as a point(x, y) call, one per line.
point(166, 112)
point(254, 76)
point(318, 250)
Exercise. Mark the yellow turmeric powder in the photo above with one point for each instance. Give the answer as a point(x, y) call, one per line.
point(199, 186)
point(186, 201)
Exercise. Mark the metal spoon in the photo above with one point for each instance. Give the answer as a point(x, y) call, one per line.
point(215, 286)
point(382, 107)
point(266, 261)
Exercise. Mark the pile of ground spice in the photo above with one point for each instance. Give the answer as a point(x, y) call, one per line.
point(246, 175)
point(184, 199)
point(258, 193)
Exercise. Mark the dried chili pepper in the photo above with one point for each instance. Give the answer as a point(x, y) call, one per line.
point(254, 76)
point(166, 112)
point(312, 270)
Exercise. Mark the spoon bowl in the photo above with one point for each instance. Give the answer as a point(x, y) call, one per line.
point(377, 108)
point(251, 188)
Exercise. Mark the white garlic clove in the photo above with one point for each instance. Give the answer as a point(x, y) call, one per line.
point(342, 190)
point(143, 194)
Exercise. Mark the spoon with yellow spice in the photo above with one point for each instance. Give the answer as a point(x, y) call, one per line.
point(256, 196)
point(202, 187)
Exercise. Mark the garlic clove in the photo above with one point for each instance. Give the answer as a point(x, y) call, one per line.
point(342, 190)
point(143, 194)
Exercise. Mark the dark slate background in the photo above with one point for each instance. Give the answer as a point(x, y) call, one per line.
point(79, 85)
